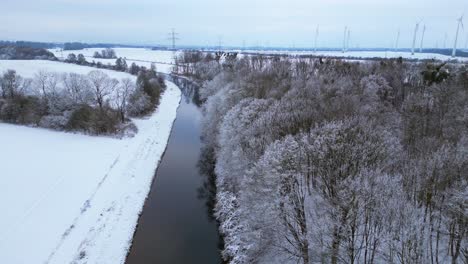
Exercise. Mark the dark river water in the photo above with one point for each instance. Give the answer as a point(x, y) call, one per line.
point(176, 225)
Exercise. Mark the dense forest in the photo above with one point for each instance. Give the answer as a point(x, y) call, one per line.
point(333, 161)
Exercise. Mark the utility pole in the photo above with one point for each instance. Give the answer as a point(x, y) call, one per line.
point(173, 37)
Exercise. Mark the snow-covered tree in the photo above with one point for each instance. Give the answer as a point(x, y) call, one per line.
point(122, 95)
point(102, 86)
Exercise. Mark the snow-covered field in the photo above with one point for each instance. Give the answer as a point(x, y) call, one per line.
point(72, 198)
point(365, 54)
point(144, 57)
point(388, 54)
point(28, 68)
point(139, 56)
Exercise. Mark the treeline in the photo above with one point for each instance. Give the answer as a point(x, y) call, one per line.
point(25, 53)
point(80, 46)
point(328, 161)
point(30, 44)
point(200, 65)
point(120, 64)
point(94, 103)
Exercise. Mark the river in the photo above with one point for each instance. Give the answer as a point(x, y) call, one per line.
point(176, 225)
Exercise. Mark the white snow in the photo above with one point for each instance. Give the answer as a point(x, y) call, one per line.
point(28, 68)
point(144, 57)
point(389, 54)
point(72, 198)
point(364, 54)
point(140, 56)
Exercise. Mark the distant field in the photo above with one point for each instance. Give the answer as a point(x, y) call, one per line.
point(144, 57)
point(139, 56)
point(365, 54)
point(28, 68)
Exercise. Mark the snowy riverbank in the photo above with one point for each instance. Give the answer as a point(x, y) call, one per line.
point(71, 198)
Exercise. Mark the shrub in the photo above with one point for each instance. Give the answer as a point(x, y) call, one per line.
point(106, 121)
point(94, 120)
point(81, 118)
point(57, 122)
point(21, 109)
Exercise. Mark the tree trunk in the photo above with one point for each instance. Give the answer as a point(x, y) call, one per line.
point(337, 230)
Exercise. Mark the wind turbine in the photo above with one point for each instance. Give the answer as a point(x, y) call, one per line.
point(422, 39)
point(414, 37)
point(460, 22)
point(445, 41)
point(344, 39)
point(347, 41)
point(397, 40)
point(316, 37)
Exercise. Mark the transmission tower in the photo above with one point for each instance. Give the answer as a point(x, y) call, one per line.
point(173, 37)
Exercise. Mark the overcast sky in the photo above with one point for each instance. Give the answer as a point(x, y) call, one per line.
point(373, 23)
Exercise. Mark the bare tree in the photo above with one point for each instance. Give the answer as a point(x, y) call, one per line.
point(47, 83)
point(11, 84)
point(77, 87)
point(102, 86)
point(122, 95)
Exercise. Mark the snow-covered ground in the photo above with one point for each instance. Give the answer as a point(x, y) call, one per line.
point(144, 57)
point(139, 56)
point(28, 68)
point(365, 54)
point(72, 198)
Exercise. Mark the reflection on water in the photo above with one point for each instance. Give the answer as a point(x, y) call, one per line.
point(188, 88)
point(207, 192)
point(177, 225)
